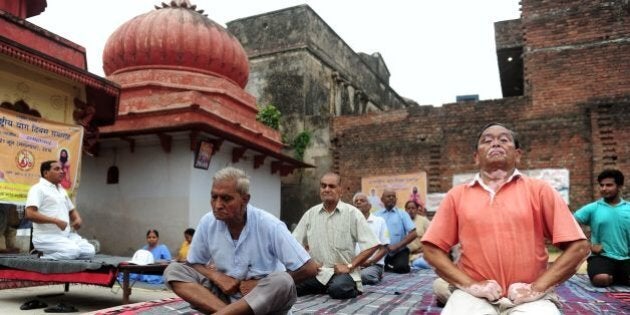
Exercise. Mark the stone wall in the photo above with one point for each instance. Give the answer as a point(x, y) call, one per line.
point(300, 65)
point(276, 34)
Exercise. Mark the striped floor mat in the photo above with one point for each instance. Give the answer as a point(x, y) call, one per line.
point(407, 294)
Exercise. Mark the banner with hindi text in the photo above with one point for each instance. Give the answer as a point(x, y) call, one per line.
point(406, 186)
point(26, 142)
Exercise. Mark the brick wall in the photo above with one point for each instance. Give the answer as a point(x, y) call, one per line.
point(508, 34)
point(574, 114)
point(610, 134)
point(440, 141)
point(576, 51)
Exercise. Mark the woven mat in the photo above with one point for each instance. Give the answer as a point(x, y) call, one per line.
point(404, 294)
point(396, 294)
point(583, 281)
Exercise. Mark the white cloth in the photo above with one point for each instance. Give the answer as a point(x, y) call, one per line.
point(379, 227)
point(461, 302)
point(53, 201)
point(61, 247)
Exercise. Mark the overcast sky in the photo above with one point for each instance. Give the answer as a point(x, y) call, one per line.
point(434, 50)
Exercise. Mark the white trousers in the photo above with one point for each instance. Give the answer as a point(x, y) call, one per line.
point(461, 302)
point(61, 247)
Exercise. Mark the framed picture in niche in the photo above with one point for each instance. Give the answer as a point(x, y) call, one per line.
point(203, 155)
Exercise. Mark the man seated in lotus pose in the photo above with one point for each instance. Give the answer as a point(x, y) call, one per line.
point(331, 231)
point(55, 220)
point(242, 260)
point(372, 269)
point(502, 219)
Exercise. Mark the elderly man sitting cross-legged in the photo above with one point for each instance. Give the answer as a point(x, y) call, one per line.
point(331, 231)
point(238, 256)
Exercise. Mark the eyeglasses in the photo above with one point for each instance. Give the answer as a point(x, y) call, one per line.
point(331, 186)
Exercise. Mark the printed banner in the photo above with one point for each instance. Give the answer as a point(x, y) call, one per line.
point(406, 186)
point(434, 200)
point(26, 142)
point(558, 178)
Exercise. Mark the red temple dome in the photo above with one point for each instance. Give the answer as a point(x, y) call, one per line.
point(176, 36)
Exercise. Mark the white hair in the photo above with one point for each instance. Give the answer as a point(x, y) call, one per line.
point(357, 195)
point(235, 174)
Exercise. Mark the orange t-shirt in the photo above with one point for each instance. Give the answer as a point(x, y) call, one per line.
point(503, 238)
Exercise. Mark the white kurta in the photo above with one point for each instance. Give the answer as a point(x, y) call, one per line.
point(53, 201)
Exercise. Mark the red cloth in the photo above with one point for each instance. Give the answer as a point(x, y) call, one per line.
point(103, 277)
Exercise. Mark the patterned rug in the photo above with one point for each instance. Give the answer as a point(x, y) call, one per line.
point(406, 294)
point(578, 298)
point(396, 294)
point(583, 281)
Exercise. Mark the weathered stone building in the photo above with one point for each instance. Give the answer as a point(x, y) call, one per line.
point(565, 76)
point(300, 65)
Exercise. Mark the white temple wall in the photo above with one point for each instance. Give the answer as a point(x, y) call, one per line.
point(157, 190)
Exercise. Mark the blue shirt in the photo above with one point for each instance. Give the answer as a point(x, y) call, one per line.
point(398, 222)
point(264, 246)
point(159, 252)
point(610, 227)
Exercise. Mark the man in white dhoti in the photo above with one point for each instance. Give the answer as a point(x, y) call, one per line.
point(54, 217)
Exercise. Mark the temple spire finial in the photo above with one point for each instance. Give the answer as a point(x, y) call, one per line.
point(181, 3)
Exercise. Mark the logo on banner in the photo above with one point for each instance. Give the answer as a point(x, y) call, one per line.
point(25, 160)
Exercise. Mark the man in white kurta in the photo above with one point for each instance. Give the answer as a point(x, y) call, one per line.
point(54, 217)
point(372, 269)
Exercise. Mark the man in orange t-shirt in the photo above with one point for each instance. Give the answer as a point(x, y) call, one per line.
point(502, 220)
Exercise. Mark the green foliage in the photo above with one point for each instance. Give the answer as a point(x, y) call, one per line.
point(270, 116)
point(300, 143)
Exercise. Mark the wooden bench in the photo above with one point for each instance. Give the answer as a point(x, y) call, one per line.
point(126, 269)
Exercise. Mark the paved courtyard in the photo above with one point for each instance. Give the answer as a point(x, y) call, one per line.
point(85, 298)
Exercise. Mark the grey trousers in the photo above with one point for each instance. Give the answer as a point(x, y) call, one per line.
point(274, 294)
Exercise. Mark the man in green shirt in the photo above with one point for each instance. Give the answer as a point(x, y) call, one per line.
point(609, 220)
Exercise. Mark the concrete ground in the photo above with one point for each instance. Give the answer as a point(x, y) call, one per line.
point(86, 298)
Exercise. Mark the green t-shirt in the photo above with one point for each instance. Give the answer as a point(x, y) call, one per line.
point(610, 227)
